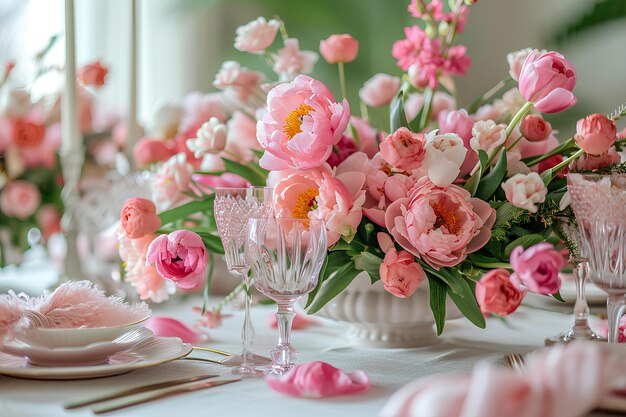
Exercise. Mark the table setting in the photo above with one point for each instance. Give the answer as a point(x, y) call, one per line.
point(446, 260)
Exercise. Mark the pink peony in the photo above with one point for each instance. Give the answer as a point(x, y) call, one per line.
point(537, 268)
point(496, 294)
point(404, 149)
point(139, 218)
point(457, 121)
point(595, 134)
point(400, 274)
point(242, 80)
point(171, 181)
point(93, 74)
point(20, 199)
point(318, 380)
point(588, 162)
point(379, 90)
point(441, 225)
point(180, 257)
point(487, 136)
point(301, 125)
point(525, 191)
point(241, 139)
point(256, 36)
point(148, 151)
point(321, 194)
point(291, 61)
point(343, 149)
point(535, 129)
point(339, 48)
point(547, 80)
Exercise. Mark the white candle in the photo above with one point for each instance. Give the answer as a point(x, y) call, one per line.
point(133, 127)
point(71, 141)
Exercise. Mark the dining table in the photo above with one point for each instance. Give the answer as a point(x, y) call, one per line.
point(461, 346)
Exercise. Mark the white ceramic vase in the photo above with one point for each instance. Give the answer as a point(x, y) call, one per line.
point(380, 320)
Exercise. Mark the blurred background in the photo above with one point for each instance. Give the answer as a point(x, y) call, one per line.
point(183, 42)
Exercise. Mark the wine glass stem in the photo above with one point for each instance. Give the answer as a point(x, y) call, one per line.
point(581, 308)
point(247, 332)
point(615, 309)
point(284, 318)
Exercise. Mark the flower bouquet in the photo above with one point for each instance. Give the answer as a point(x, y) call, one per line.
point(460, 197)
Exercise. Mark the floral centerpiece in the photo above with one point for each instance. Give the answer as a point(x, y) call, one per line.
point(460, 197)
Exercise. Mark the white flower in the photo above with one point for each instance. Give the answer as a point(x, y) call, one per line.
point(487, 136)
point(525, 191)
point(210, 138)
point(171, 181)
point(165, 121)
point(290, 61)
point(444, 156)
point(516, 60)
point(257, 35)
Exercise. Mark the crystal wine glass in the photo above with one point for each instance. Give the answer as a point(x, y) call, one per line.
point(286, 256)
point(233, 207)
point(599, 203)
point(567, 229)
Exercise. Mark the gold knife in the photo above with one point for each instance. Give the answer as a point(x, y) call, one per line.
point(158, 395)
point(135, 390)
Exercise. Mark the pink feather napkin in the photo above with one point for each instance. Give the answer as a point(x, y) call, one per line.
point(72, 305)
point(565, 381)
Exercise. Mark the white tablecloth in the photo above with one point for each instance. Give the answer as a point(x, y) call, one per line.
point(458, 350)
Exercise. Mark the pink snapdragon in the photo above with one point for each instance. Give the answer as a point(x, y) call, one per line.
point(537, 268)
point(302, 123)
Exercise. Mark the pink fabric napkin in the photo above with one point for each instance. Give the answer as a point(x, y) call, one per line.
point(318, 380)
point(565, 381)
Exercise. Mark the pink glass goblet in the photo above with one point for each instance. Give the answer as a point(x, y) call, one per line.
point(599, 203)
point(286, 256)
point(233, 207)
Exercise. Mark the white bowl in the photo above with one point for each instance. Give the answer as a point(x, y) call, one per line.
point(82, 336)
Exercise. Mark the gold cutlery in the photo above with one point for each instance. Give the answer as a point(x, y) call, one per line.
point(159, 395)
point(195, 358)
point(219, 352)
point(135, 390)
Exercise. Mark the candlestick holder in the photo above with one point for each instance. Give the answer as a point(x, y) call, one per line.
point(72, 164)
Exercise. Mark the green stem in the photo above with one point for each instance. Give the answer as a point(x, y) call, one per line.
point(428, 102)
point(488, 95)
point(342, 80)
point(561, 148)
point(509, 129)
point(566, 162)
point(207, 283)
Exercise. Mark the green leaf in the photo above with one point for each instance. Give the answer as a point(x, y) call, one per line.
point(483, 158)
point(525, 241)
point(490, 182)
point(546, 177)
point(369, 263)
point(333, 261)
point(333, 286)
point(450, 276)
point(467, 304)
point(603, 11)
point(557, 296)
point(504, 214)
point(482, 261)
point(253, 176)
point(213, 243)
point(397, 115)
point(258, 153)
point(182, 212)
point(438, 302)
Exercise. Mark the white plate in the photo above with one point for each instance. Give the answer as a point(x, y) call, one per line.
point(92, 354)
point(151, 352)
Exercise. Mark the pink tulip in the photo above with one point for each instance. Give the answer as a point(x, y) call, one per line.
point(496, 294)
point(547, 81)
point(379, 90)
point(301, 125)
point(339, 48)
point(180, 257)
point(20, 199)
point(148, 151)
point(93, 74)
point(139, 217)
point(400, 274)
point(535, 129)
point(164, 326)
point(537, 268)
point(595, 134)
point(404, 149)
point(319, 380)
point(525, 191)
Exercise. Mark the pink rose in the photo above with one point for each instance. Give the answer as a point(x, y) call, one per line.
point(318, 380)
point(49, 221)
point(139, 217)
point(93, 74)
point(148, 151)
point(290, 61)
point(404, 149)
point(20, 199)
point(595, 134)
point(457, 121)
point(256, 36)
point(179, 257)
point(496, 294)
point(339, 48)
point(301, 125)
point(400, 274)
point(588, 162)
point(441, 225)
point(242, 80)
point(525, 191)
point(535, 129)
point(171, 181)
point(537, 268)
point(547, 80)
point(379, 90)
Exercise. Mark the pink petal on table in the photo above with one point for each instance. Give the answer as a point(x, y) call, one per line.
point(318, 380)
point(300, 321)
point(170, 327)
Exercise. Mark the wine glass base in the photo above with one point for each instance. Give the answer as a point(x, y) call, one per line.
point(251, 372)
point(568, 337)
point(254, 360)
